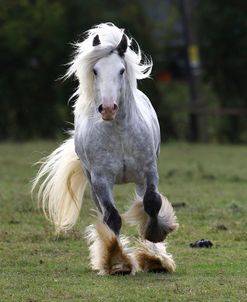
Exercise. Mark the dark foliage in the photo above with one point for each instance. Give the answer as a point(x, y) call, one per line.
point(35, 45)
point(222, 30)
point(35, 37)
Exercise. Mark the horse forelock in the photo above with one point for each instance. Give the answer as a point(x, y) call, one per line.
point(86, 56)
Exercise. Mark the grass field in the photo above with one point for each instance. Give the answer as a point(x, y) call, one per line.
point(209, 183)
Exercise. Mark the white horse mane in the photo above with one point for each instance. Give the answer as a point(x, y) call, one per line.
point(86, 55)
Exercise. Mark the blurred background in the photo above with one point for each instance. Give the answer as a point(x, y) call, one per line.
point(199, 50)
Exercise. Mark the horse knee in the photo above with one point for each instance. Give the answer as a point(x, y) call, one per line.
point(113, 220)
point(152, 201)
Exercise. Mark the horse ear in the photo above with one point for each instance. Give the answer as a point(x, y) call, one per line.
point(96, 40)
point(122, 46)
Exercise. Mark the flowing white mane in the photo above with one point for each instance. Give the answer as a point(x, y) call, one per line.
point(86, 56)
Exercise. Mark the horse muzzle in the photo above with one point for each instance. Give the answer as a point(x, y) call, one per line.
point(108, 113)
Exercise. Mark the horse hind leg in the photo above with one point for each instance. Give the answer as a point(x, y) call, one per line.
point(109, 253)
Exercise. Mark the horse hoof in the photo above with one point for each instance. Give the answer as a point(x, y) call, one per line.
point(154, 232)
point(158, 270)
point(120, 269)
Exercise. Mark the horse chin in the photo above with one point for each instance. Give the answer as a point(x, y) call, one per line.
point(108, 119)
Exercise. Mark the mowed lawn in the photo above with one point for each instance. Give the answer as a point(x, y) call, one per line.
point(206, 183)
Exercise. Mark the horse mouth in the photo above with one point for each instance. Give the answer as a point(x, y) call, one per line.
point(108, 118)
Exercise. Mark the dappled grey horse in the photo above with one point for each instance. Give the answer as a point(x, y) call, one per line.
point(116, 139)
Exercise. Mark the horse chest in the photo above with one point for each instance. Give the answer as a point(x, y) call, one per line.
point(138, 153)
point(123, 153)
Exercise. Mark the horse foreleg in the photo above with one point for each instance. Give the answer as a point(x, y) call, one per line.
point(109, 253)
point(154, 228)
point(155, 217)
point(162, 218)
point(152, 212)
point(152, 257)
point(102, 190)
point(93, 195)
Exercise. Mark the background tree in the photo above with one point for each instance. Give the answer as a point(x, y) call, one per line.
point(222, 31)
point(35, 37)
point(34, 43)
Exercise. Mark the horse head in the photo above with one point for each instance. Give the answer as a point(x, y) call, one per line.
point(109, 76)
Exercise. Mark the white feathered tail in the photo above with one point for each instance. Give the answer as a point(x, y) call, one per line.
point(63, 183)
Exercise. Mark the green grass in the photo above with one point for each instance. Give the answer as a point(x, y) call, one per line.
point(211, 180)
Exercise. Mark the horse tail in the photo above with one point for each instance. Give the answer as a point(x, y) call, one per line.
point(62, 186)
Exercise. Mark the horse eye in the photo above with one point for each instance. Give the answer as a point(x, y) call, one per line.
point(122, 71)
point(94, 71)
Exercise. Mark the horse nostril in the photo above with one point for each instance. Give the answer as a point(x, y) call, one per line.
point(115, 107)
point(100, 109)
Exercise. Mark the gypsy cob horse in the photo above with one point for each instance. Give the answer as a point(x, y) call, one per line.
point(116, 140)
